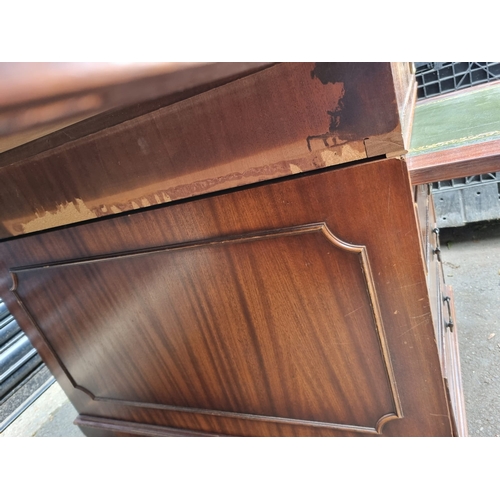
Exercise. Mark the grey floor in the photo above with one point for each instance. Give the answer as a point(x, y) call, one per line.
point(471, 260)
point(471, 263)
point(51, 415)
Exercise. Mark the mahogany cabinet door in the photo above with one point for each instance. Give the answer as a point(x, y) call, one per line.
point(295, 307)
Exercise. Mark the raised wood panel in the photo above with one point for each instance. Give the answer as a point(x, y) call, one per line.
point(405, 85)
point(220, 327)
point(376, 195)
point(283, 120)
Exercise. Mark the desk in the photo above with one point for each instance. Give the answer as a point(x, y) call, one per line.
point(267, 269)
point(456, 135)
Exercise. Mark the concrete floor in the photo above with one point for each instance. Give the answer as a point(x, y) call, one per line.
point(471, 263)
point(51, 415)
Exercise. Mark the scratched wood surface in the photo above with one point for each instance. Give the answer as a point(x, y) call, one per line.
point(262, 311)
point(474, 159)
point(280, 121)
point(221, 328)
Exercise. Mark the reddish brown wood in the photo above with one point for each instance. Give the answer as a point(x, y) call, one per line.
point(256, 128)
point(240, 314)
point(474, 159)
point(264, 333)
point(122, 113)
point(43, 97)
point(298, 308)
point(108, 427)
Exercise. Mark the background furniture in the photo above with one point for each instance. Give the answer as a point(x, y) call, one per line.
point(455, 146)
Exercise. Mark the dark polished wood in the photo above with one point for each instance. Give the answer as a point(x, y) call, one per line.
point(280, 121)
point(107, 427)
point(263, 311)
point(267, 353)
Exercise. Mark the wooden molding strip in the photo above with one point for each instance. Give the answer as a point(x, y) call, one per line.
point(136, 429)
point(463, 161)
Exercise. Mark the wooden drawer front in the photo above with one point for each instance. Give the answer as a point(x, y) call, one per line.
point(107, 427)
point(264, 311)
point(239, 300)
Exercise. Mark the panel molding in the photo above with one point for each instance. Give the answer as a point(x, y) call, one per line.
point(136, 429)
point(321, 227)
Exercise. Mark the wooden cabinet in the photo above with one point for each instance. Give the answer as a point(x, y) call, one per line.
point(307, 305)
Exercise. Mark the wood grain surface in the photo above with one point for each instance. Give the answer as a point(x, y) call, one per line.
point(39, 98)
point(241, 313)
point(250, 355)
point(281, 121)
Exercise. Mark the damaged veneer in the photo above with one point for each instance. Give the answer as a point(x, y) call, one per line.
point(253, 129)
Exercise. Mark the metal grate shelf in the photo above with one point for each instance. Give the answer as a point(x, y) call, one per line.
point(434, 78)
